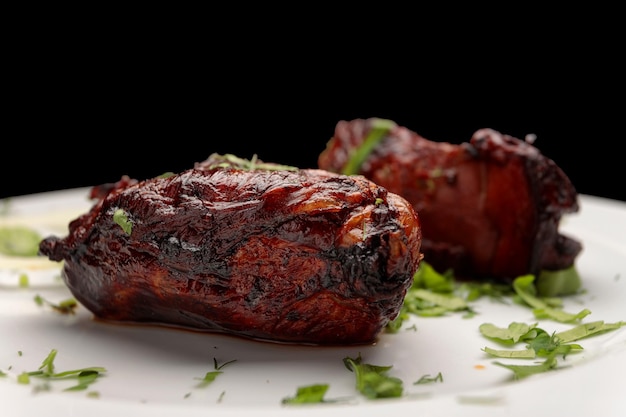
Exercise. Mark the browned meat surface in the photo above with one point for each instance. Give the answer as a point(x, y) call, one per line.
point(490, 208)
point(296, 256)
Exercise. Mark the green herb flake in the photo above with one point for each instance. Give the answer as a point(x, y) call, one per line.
point(19, 241)
point(23, 378)
point(380, 128)
point(509, 335)
point(395, 325)
point(523, 371)
point(309, 394)
point(67, 306)
point(47, 365)
point(166, 175)
point(46, 371)
point(558, 283)
point(427, 379)
point(446, 302)
point(525, 289)
point(233, 161)
point(426, 277)
point(93, 394)
point(210, 376)
point(514, 354)
point(120, 217)
point(23, 281)
point(85, 379)
point(586, 330)
point(372, 380)
point(480, 400)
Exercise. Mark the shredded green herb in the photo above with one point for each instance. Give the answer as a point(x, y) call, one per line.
point(527, 292)
point(210, 376)
point(166, 174)
point(558, 283)
point(19, 241)
point(309, 394)
point(84, 377)
point(427, 379)
point(434, 294)
point(372, 380)
point(120, 217)
point(588, 329)
point(378, 131)
point(23, 281)
point(67, 306)
point(232, 161)
point(539, 343)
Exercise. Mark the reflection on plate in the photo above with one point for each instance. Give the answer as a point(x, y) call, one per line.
point(154, 371)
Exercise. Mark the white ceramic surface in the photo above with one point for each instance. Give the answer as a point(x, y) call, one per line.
point(153, 371)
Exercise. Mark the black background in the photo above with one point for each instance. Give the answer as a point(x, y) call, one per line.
point(81, 113)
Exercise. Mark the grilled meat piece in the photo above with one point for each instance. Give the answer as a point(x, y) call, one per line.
point(249, 249)
point(490, 208)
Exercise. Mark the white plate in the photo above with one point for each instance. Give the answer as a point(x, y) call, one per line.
point(152, 371)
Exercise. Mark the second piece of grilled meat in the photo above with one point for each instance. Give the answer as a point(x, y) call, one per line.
point(490, 208)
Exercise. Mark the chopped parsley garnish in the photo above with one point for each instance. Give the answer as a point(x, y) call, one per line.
point(427, 379)
point(23, 281)
point(372, 380)
point(434, 294)
point(309, 394)
point(379, 130)
point(210, 376)
point(558, 283)
point(121, 218)
point(587, 329)
point(84, 377)
point(166, 175)
point(543, 307)
point(523, 371)
point(67, 306)
point(232, 161)
point(19, 241)
point(539, 343)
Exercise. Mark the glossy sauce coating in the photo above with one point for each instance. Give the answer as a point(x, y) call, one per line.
point(302, 256)
point(490, 208)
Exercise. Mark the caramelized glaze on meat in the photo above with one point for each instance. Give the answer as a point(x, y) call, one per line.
point(490, 208)
point(296, 256)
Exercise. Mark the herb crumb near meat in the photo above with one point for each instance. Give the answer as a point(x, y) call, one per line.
point(19, 241)
point(67, 306)
point(46, 375)
point(435, 294)
point(210, 376)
